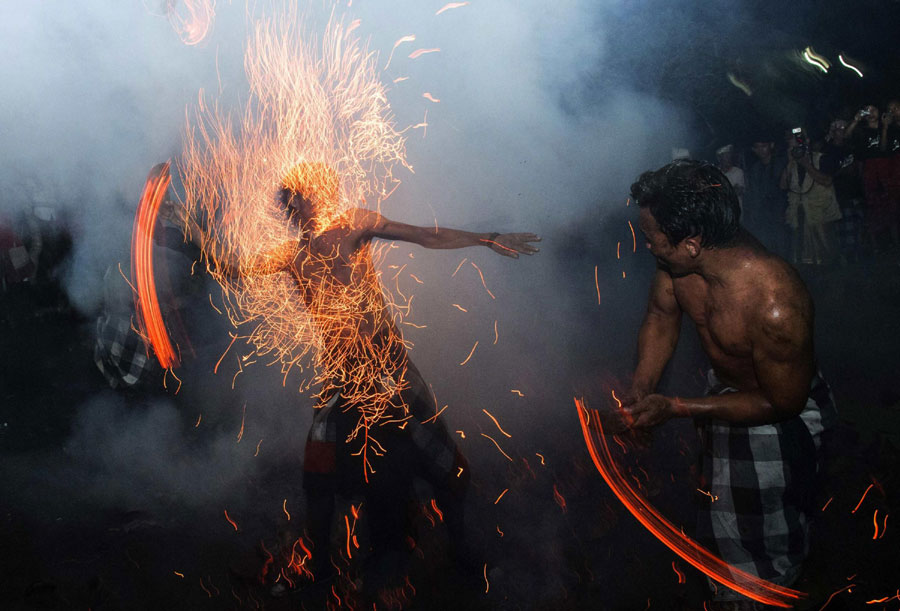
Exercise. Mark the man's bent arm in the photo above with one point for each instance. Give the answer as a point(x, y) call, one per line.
point(783, 361)
point(228, 263)
point(658, 335)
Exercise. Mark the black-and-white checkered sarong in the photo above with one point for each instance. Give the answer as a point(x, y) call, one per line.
point(762, 484)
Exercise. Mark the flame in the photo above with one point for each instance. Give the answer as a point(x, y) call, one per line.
point(149, 315)
point(690, 551)
point(194, 21)
point(317, 125)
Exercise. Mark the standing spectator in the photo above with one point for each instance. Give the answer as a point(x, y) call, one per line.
point(867, 132)
point(812, 205)
point(764, 200)
point(725, 158)
point(838, 161)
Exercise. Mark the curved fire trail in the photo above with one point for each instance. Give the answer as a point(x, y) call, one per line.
point(193, 22)
point(149, 315)
point(316, 120)
point(688, 549)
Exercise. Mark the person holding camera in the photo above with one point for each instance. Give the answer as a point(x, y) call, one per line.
point(812, 204)
point(870, 133)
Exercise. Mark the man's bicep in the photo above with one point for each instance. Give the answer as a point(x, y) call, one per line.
point(783, 362)
point(377, 226)
point(662, 301)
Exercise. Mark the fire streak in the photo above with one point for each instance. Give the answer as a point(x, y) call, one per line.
point(451, 5)
point(483, 283)
point(497, 424)
point(230, 521)
point(681, 578)
point(284, 508)
point(597, 284)
point(420, 52)
point(410, 38)
point(193, 23)
point(633, 238)
point(699, 557)
point(862, 498)
point(498, 447)
point(149, 314)
point(505, 490)
point(470, 354)
point(430, 97)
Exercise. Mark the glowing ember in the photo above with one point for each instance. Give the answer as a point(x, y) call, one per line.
point(430, 97)
point(193, 20)
point(420, 52)
point(451, 5)
point(149, 315)
point(699, 557)
point(230, 521)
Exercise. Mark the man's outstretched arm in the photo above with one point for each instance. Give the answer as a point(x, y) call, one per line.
point(506, 244)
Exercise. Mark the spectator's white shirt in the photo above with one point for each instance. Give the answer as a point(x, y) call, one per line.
point(735, 176)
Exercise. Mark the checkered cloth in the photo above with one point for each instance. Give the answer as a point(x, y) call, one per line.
point(417, 446)
point(763, 482)
point(121, 355)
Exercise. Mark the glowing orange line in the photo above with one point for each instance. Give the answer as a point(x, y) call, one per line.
point(179, 574)
point(430, 97)
point(505, 490)
point(618, 250)
point(410, 38)
point(875, 522)
point(347, 524)
point(219, 362)
point(541, 456)
point(449, 6)
point(199, 418)
point(559, 498)
point(824, 507)
point(681, 578)
point(482, 280)
point(147, 304)
point(498, 447)
point(518, 392)
point(413, 276)
point(436, 510)
point(500, 532)
point(496, 423)
point(687, 549)
point(420, 52)
point(862, 498)
point(487, 583)
point(458, 266)
point(459, 307)
point(884, 526)
point(257, 448)
point(230, 521)
point(470, 354)
point(833, 594)
point(284, 508)
point(633, 238)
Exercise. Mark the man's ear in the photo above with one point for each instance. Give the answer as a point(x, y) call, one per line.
point(693, 246)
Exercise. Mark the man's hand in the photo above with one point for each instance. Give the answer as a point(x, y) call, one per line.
point(513, 244)
point(650, 411)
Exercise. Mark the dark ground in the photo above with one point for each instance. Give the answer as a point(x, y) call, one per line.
point(73, 553)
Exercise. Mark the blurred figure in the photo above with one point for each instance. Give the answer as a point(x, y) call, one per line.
point(839, 163)
point(867, 132)
point(725, 161)
point(812, 204)
point(764, 200)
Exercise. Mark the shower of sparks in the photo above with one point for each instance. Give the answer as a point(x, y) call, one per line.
point(149, 314)
point(193, 22)
point(451, 5)
point(686, 548)
point(317, 121)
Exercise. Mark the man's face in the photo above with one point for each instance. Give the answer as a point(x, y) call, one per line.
point(674, 259)
point(763, 149)
point(298, 208)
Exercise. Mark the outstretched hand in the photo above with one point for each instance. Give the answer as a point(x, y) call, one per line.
point(514, 244)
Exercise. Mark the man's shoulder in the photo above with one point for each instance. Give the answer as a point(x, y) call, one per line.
point(776, 286)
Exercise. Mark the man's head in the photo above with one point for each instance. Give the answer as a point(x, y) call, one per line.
point(837, 131)
point(310, 192)
point(725, 157)
point(686, 206)
point(763, 149)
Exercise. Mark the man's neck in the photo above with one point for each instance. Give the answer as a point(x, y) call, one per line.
point(718, 265)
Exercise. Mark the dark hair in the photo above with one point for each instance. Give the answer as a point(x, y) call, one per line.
point(690, 198)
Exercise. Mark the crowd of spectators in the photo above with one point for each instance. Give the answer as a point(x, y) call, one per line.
point(826, 196)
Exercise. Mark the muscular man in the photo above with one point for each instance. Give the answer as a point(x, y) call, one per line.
point(762, 420)
point(375, 427)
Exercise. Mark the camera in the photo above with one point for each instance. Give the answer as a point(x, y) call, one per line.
point(801, 146)
point(865, 112)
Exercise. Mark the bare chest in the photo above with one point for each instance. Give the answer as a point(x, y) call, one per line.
point(722, 317)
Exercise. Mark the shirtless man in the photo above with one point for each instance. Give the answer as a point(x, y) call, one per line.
point(365, 362)
point(762, 420)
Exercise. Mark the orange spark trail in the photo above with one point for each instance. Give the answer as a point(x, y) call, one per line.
point(470, 354)
point(400, 79)
point(618, 250)
point(481, 275)
point(681, 578)
point(597, 284)
point(500, 532)
point(458, 266)
point(459, 307)
point(230, 521)
point(284, 508)
point(541, 456)
point(833, 594)
point(430, 97)
point(518, 392)
point(199, 418)
point(410, 38)
point(498, 447)
point(243, 415)
point(437, 510)
point(875, 522)
point(824, 507)
point(451, 5)
point(696, 555)
point(633, 238)
point(884, 526)
point(179, 574)
point(149, 314)
point(487, 585)
point(496, 423)
point(505, 490)
point(255, 454)
point(559, 498)
point(862, 498)
point(420, 52)
point(193, 23)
